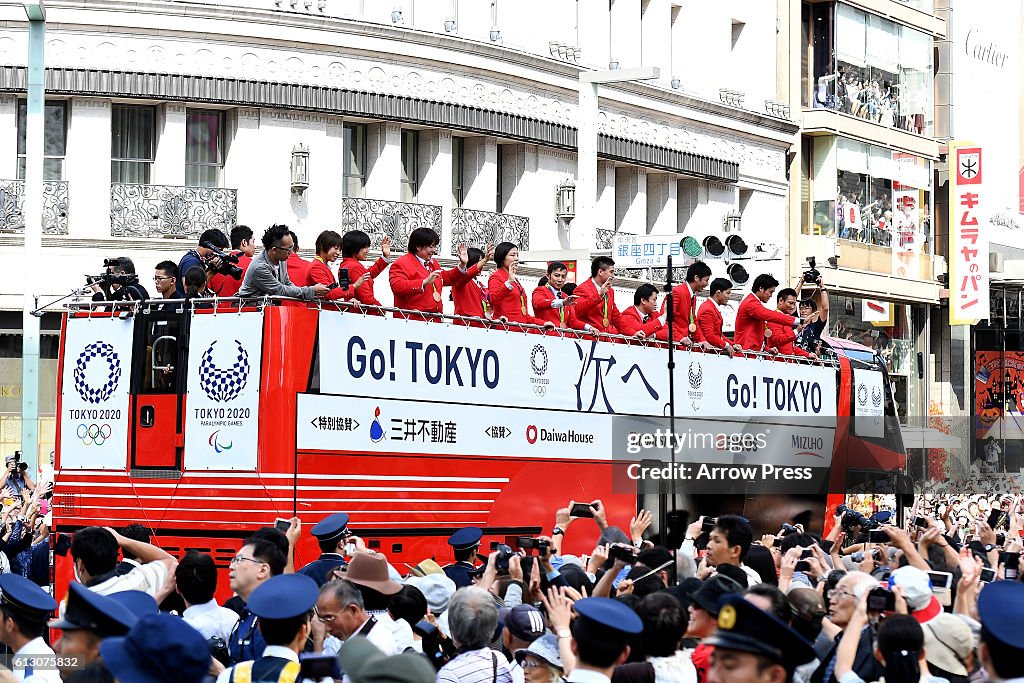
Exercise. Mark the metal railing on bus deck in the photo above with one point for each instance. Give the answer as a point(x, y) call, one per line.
point(228, 304)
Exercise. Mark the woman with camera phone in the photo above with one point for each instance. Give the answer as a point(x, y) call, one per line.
point(328, 248)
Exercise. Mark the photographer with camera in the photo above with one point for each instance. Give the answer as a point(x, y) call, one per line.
point(208, 255)
point(268, 273)
point(243, 246)
point(814, 309)
point(15, 478)
point(118, 282)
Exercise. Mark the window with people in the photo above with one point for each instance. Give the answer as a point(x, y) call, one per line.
point(879, 71)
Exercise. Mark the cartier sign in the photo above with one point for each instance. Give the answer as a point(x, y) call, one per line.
point(983, 49)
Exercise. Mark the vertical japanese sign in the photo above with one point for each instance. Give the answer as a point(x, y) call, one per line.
point(968, 236)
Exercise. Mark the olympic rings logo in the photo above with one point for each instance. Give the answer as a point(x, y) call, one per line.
point(94, 434)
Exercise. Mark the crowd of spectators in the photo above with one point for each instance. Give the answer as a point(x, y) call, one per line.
point(871, 95)
point(929, 600)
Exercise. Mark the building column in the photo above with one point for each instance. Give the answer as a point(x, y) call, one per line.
point(631, 200)
point(662, 213)
point(625, 33)
point(87, 168)
point(435, 171)
point(593, 33)
point(169, 163)
point(656, 36)
point(480, 168)
point(244, 154)
point(604, 208)
point(384, 161)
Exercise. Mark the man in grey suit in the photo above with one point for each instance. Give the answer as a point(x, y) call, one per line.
point(267, 275)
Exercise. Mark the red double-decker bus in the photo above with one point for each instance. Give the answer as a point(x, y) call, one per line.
point(206, 423)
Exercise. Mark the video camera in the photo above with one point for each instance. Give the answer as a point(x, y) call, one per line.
point(228, 262)
point(505, 554)
point(811, 275)
point(436, 648)
point(106, 279)
point(852, 518)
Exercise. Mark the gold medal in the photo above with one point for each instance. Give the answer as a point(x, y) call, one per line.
point(693, 328)
point(437, 296)
point(605, 322)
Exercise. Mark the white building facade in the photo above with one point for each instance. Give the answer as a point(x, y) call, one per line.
point(165, 119)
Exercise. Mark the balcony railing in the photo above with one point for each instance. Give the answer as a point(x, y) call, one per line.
point(170, 210)
point(55, 206)
point(378, 217)
point(485, 227)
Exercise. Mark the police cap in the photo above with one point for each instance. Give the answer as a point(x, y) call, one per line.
point(466, 538)
point(607, 620)
point(745, 627)
point(333, 526)
point(88, 611)
point(22, 595)
point(284, 596)
point(1000, 605)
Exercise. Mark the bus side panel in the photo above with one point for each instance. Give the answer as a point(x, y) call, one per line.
point(407, 505)
point(289, 337)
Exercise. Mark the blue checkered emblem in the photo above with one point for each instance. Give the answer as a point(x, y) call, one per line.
point(104, 354)
point(224, 384)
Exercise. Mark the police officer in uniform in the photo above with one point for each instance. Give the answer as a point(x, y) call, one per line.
point(752, 645)
point(331, 533)
point(88, 619)
point(600, 638)
point(24, 611)
point(465, 543)
point(284, 605)
point(1000, 605)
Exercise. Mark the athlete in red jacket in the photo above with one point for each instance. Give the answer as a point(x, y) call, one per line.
point(684, 304)
point(752, 314)
point(417, 279)
point(550, 302)
point(595, 303)
point(709, 317)
point(328, 245)
point(507, 295)
point(641, 319)
point(783, 336)
point(355, 246)
point(469, 297)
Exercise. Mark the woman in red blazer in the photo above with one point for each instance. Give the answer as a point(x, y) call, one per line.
point(469, 297)
point(507, 294)
point(355, 246)
point(328, 244)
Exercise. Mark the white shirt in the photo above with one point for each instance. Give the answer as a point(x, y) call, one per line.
point(47, 673)
point(148, 578)
point(380, 635)
point(585, 676)
point(477, 666)
point(278, 651)
point(211, 619)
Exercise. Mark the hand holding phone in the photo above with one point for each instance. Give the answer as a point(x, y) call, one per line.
point(282, 525)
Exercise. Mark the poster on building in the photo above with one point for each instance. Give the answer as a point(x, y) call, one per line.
point(224, 391)
point(95, 409)
point(999, 394)
point(968, 235)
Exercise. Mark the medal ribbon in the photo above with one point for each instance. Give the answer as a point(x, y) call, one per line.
point(561, 310)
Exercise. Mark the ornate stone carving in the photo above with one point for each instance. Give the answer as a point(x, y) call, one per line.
point(55, 206)
point(170, 210)
point(377, 218)
point(479, 228)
